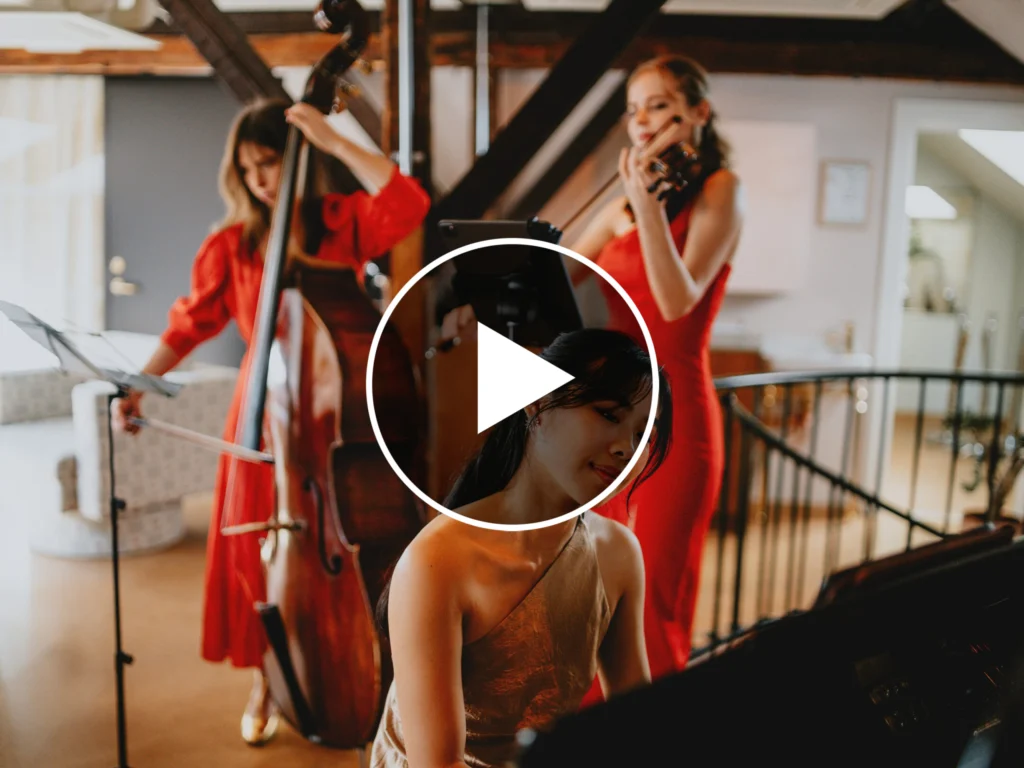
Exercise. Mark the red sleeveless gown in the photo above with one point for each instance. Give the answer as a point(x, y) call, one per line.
point(673, 508)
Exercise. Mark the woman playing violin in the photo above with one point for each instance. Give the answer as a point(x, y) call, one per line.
point(226, 279)
point(673, 257)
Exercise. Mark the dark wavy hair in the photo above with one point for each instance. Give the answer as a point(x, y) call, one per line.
point(606, 365)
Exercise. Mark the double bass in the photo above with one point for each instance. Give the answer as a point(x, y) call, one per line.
point(341, 516)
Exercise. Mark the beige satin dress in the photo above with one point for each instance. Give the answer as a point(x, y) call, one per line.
point(533, 667)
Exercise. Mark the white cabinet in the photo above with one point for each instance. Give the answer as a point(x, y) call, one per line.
point(777, 165)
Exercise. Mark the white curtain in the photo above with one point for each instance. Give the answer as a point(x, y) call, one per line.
point(51, 206)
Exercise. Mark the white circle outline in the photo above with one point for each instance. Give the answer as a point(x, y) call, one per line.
point(425, 270)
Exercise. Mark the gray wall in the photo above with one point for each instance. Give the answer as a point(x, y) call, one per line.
point(164, 140)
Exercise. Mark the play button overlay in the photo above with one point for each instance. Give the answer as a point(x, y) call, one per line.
point(519, 398)
point(509, 378)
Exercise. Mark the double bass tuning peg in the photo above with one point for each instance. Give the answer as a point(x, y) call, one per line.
point(343, 90)
point(349, 89)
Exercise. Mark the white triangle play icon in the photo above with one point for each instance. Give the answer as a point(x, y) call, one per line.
point(509, 377)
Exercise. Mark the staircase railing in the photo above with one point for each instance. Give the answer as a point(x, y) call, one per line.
point(824, 471)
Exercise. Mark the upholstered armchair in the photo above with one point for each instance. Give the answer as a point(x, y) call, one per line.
point(54, 454)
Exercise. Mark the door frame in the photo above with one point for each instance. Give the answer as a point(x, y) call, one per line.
point(910, 117)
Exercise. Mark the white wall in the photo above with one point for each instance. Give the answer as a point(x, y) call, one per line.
point(928, 339)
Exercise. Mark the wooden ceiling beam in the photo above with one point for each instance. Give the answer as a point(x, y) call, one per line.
point(938, 46)
point(569, 159)
point(240, 66)
point(227, 48)
point(587, 58)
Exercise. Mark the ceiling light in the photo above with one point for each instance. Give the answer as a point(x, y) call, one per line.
point(1005, 149)
point(926, 203)
point(59, 32)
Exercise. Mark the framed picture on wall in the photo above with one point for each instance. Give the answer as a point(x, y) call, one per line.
point(845, 189)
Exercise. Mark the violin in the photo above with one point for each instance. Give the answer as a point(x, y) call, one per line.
point(675, 168)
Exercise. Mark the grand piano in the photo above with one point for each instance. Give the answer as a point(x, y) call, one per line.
point(914, 660)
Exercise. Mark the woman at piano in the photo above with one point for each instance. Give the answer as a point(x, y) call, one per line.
point(225, 285)
point(493, 631)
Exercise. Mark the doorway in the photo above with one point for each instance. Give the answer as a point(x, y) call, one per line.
point(951, 278)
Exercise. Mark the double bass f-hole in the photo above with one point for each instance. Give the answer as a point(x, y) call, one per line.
point(332, 565)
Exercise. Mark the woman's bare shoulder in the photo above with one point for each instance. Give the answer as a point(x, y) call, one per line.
point(440, 553)
point(617, 216)
point(611, 536)
point(615, 206)
point(722, 185)
point(618, 554)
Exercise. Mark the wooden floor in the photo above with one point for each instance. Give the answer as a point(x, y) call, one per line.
point(57, 704)
point(57, 684)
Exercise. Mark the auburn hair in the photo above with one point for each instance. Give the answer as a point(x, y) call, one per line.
point(690, 79)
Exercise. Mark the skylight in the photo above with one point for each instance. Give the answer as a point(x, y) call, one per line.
point(65, 32)
point(926, 203)
point(1004, 149)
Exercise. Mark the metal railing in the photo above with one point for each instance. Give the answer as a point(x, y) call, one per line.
point(825, 471)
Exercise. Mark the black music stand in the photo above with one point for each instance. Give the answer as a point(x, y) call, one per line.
point(72, 360)
point(524, 291)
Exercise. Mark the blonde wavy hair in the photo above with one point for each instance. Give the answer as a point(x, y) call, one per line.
point(262, 123)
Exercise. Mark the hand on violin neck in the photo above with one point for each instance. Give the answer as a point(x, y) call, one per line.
point(637, 179)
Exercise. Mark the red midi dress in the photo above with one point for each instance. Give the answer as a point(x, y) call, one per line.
point(226, 279)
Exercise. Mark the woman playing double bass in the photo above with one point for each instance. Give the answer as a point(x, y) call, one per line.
point(226, 280)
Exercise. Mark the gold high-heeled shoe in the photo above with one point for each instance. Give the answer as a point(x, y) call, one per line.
point(257, 730)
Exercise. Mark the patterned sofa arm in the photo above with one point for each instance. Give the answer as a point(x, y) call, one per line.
point(151, 468)
point(34, 395)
